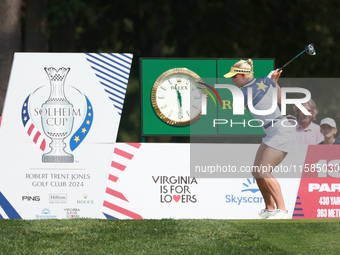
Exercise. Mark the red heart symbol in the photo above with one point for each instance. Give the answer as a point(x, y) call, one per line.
point(176, 197)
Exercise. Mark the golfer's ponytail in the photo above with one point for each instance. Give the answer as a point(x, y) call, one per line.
point(250, 63)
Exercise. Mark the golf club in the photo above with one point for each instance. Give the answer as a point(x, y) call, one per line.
point(309, 49)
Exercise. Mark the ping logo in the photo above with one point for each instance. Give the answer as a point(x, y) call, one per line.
point(30, 198)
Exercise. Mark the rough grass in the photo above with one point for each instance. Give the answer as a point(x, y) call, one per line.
point(93, 236)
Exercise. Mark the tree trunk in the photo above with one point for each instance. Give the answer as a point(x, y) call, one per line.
point(10, 40)
point(35, 37)
point(63, 36)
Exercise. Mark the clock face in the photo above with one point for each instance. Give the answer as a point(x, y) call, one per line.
point(177, 96)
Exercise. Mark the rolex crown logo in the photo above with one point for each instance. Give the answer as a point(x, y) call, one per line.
point(179, 79)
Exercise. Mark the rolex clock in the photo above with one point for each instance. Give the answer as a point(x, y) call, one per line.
point(177, 97)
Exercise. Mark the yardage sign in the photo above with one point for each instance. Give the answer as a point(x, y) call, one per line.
point(60, 123)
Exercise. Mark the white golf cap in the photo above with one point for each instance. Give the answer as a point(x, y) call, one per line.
point(328, 121)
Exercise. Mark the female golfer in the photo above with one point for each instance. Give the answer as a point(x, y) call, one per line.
point(279, 140)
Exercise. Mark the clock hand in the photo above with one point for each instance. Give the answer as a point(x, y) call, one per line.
point(179, 96)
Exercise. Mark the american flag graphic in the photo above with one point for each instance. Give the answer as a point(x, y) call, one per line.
point(116, 205)
point(113, 70)
point(84, 129)
point(7, 211)
point(38, 138)
point(298, 209)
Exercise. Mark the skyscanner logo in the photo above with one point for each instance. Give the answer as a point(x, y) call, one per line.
point(248, 186)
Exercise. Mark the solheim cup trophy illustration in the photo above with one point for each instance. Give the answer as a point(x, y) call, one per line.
point(57, 117)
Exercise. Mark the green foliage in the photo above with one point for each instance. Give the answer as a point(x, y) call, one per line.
point(203, 29)
point(61, 10)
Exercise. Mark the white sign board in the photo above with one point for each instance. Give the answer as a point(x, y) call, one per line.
point(60, 122)
point(153, 181)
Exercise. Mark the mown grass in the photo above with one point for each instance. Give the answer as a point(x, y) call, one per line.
point(93, 236)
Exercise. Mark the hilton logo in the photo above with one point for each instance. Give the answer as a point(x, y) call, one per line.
point(58, 198)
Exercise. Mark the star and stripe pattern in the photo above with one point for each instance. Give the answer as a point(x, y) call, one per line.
point(116, 205)
point(298, 209)
point(112, 70)
point(7, 211)
point(37, 137)
point(84, 129)
point(259, 87)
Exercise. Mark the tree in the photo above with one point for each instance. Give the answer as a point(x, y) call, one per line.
point(10, 40)
point(194, 28)
point(35, 26)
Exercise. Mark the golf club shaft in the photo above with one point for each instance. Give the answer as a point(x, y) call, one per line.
point(291, 60)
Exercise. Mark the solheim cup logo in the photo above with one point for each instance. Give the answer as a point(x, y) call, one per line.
point(57, 117)
point(54, 119)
